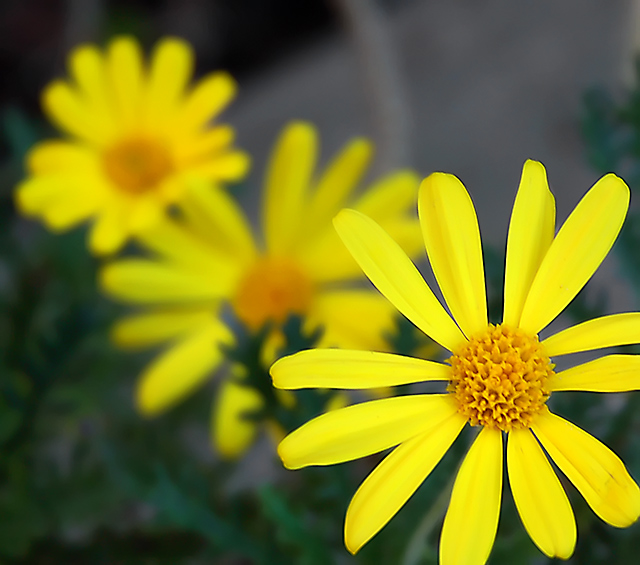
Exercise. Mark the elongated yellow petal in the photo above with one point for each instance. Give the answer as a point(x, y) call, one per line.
point(183, 249)
point(71, 206)
point(144, 213)
point(171, 67)
point(592, 467)
point(147, 282)
point(613, 373)
point(287, 181)
point(62, 201)
point(471, 521)
point(151, 328)
point(577, 251)
point(203, 145)
point(606, 331)
point(126, 73)
point(228, 166)
point(395, 276)
point(109, 231)
point(394, 481)
point(353, 318)
point(348, 369)
point(88, 69)
point(336, 184)
point(69, 112)
point(207, 99)
point(541, 501)
point(531, 232)
point(362, 429)
point(218, 219)
point(406, 233)
point(327, 260)
point(452, 238)
point(231, 428)
point(54, 155)
point(180, 369)
point(391, 197)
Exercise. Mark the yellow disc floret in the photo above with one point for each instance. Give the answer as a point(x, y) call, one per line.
point(500, 377)
point(137, 165)
point(273, 289)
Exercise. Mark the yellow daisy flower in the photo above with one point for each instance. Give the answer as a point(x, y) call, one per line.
point(499, 376)
point(209, 257)
point(136, 137)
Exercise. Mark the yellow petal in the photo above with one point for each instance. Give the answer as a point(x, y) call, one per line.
point(71, 114)
point(393, 196)
point(407, 233)
point(452, 238)
point(147, 329)
point(354, 318)
point(171, 68)
point(336, 401)
point(207, 99)
point(88, 69)
point(287, 181)
point(229, 166)
point(218, 219)
point(613, 373)
point(231, 430)
point(146, 282)
point(391, 203)
point(592, 467)
point(61, 201)
point(109, 232)
point(395, 479)
point(71, 208)
point(606, 331)
point(180, 369)
point(348, 369)
point(203, 145)
point(177, 244)
point(336, 185)
point(471, 521)
point(362, 429)
point(52, 156)
point(145, 212)
point(395, 276)
point(126, 74)
point(541, 501)
point(531, 232)
point(327, 260)
point(577, 251)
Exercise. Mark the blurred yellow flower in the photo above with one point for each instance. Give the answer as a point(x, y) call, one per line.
point(208, 257)
point(500, 376)
point(136, 137)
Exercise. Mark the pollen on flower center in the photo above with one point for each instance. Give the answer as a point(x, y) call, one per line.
point(499, 378)
point(271, 290)
point(137, 165)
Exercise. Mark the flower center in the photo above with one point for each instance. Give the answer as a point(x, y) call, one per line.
point(500, 378)
point(137, 165)
point(272, 289)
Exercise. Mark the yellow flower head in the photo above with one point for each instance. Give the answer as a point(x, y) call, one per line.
point(208, 256)
point(499, 376)
point(136, 138)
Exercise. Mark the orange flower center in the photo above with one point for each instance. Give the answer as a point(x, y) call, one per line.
point(500, 378)
point(273, 289)
point(137, 165)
